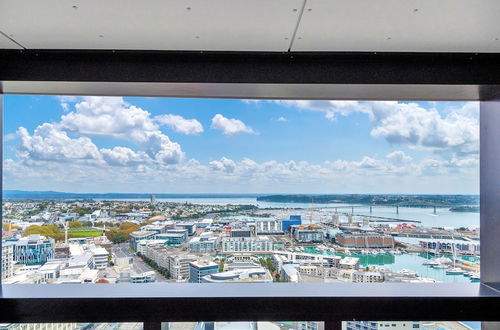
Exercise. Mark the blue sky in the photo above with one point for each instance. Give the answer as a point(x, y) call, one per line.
point(167, 145)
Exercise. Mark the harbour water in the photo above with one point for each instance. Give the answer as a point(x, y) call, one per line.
point(396, 263)
point(442, 218)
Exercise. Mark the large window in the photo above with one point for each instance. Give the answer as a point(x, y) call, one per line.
point(139, 190)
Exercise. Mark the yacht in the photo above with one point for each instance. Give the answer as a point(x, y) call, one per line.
point(430, 262)
point(408, 272)
point(374, 252)
point(381, 251)
point(347, 252)
point(475, 277)
point(454, 271)
point(364, 252)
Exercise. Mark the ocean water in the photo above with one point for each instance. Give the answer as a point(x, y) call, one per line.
point(442, 218)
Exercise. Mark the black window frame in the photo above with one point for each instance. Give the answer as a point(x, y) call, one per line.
point(362, 76)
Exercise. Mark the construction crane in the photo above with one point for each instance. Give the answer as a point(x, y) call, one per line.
point(311, 213)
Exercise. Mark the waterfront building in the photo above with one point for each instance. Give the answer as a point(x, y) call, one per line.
point(268, 227)
point(199, 269)
point(304, 258)
point(140, 235)
point(290, 273)
point(303, 235)
point(246, 244)
point(447, 246)
point(367, 277)
point(33, 250)
point(7, 260)
point(295, 220)
point(365, 240)
point(247, 275)
point(349, 263)
point(202, 244)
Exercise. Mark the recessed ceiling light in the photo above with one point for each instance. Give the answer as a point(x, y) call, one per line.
point(75, 7)
point(415, 10)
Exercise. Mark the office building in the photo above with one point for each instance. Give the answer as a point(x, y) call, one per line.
point(242, 232)
point(365, 240)
point(100, 258)
point(268, 227)
point(303, 235)
point(189, 226)
point(367, 277)
point(33, 250)
point(199, 269)
point(137, 236)
point(173, 237)
point(246, 244)
point(7, 260)
point(202, 244)
point(295, 220)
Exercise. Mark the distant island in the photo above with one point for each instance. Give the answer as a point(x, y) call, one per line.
point(474, 209)
point(372, 199)
point(56, 195)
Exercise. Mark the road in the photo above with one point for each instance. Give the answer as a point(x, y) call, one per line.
point(139, 265)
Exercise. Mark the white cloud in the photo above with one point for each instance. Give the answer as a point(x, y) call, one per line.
point(109, 116)
point(180, 124)
point(48, 143)
point(230, 126)
point(224, 164)
point(282, 119)
point(121, 156)
point(159, 147)
point(409, 124)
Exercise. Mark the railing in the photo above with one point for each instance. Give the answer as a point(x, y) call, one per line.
point(328, 302)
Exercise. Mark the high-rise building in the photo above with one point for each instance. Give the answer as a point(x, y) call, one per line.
point(7, 260)
point(33, 250)
point(199, 269)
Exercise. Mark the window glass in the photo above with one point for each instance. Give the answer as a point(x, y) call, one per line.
point(140, 190)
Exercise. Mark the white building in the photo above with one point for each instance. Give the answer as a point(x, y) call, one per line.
point(367, 277)
point(246, 244)
point(271, 226)
point(247, 275)
point(7, 260)
point(100, 258)
point(349, 263)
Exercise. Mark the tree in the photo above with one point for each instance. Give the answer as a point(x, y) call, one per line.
point(129, 227)
point(117, 236)
point(45, 230)
point(75, 224)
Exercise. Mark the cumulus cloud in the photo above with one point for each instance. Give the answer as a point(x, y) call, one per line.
point(180, 124)
point(408, 124)
point(282, 119)
point(230, 126)
point(224, 164)
point(159, 147)
point(121, 156)
point(109, 116)
point(49, 143)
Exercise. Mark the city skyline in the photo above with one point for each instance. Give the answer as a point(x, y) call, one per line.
point(163, 145)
